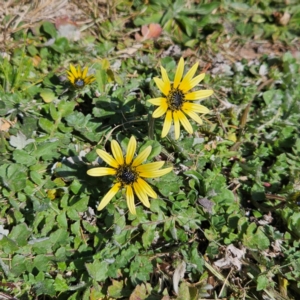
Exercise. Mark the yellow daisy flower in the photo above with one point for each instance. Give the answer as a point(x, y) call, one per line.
point(128, 172)
point(176, 102)
point(79, 79)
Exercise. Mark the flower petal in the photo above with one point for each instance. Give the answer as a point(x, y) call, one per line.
point(164, 88)
point(188, 106)
point(71, 79)
point(110, 194)
point(167, 124)
point(101, 171)
point(79, 72)
point(157, 101)
point(185, 122)
point(179, 73)
point(130, 150)
point(161, 110)
point(117, 152)
point(157, 173)
point(138, 188)
point(107, 158)
point(73, 70)
point(150, 167)
point(130, 199)
point(197, 95)
point(193, 82)
point(164, 75)
point(89, 79)
point(185, 83)
point(194, 116)
point(146, 188)
point(84, 72)
point(176, 125)
point(70, 75)
point(142, 156)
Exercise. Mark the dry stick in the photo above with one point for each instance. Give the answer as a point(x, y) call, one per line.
point(220, 276)
point(224, 284)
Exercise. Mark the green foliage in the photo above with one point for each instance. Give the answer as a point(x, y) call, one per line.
point(235, 183)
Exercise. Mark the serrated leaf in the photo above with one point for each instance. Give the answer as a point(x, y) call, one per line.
point(115, 290)
point(262, 282)
point(148, 236)
point(20, 234)
point(7, 245)
point(22, 157)
point(140, 269)
point(60, 284)
point(45, 287)
point(97, 270)
point(20, 141)
point(13, 176)
point(46, 150)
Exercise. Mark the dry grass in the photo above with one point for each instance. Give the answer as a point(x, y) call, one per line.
point(18, 15)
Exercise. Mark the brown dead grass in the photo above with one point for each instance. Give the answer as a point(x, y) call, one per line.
point(16, 15)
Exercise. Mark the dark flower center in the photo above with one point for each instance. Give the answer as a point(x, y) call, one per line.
point(79, 82)
point(175, 99)
point(126, 175)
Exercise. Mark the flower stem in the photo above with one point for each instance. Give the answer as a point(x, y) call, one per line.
point(151, 122)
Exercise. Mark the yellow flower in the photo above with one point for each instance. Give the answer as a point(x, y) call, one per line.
point(128, 172)
point(176, 102)
point(79, 79)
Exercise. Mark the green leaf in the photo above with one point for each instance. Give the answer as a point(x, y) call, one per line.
point(116, 289)
point(101, 79)
point(32, 50)
point(184, 293)
point(46, 124)
point(62, 220)
point(140, 269)
point(49, 28)
point(80, 204)
point(36, 177)
point(205, 9)
point(75, 186)
point(20, 234)
point(148, 236)
point(47, 150)
point(65, 108)
point(156, 148)
point(53, 112)
point(41, 263)
point(13, 176)
point(255, 238)
point(19, 265)
point(59, 237)
point(45, 287)
point(97, 270)
point(22, 157)
point(47, 95)
point(262, 282)
point(61, 45)
point(7, 245)
point(60, 284)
